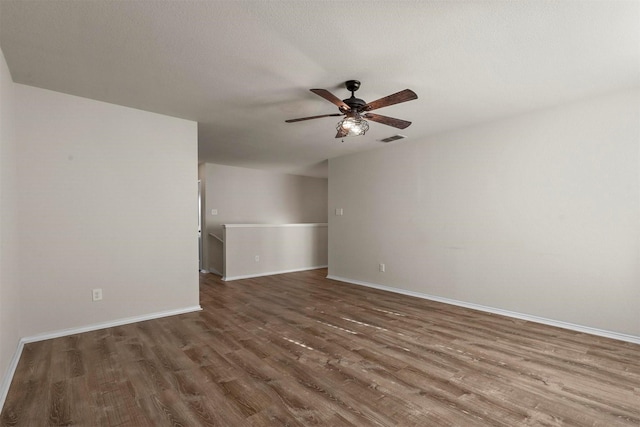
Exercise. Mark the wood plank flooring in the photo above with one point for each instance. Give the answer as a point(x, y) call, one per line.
point(299, 350)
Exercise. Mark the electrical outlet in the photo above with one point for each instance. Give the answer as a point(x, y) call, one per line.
point(97, 294)
point(382, 268)
point(257, 258)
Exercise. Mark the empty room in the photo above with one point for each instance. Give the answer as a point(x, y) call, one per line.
point(294, 213)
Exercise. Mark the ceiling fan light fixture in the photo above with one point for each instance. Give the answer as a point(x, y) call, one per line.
point(352, 126)
point(355, 109)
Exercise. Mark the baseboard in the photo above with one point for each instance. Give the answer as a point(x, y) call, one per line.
point(6, 381)
point(216, 272)
point(271, 273)
point(564, 325)
point(119, 322)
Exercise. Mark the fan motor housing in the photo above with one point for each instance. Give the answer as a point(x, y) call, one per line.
point(354, 103)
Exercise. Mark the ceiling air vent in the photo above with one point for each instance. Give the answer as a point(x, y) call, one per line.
point(393, 138)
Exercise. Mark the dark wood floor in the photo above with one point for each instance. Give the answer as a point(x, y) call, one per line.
point(299, 350)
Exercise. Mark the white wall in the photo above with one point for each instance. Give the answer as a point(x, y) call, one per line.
point(538, 214)
point(107, 199)
point(253, 250)
point(9, 286)
point(250, 196)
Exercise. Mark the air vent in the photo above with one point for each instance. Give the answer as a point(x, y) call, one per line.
point(393, 138)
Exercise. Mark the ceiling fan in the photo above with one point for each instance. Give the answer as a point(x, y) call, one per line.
point(356, 110)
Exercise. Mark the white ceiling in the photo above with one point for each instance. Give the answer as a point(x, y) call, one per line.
point(241, 68)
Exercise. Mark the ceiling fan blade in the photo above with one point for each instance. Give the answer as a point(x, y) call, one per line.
point(396, 98)
point(331, 98)
point(312, 117)
point(342, 133)
point(389, 121)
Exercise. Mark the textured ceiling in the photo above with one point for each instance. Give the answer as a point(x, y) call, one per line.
point(241, 68)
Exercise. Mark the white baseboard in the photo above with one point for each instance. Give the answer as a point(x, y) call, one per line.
point(119, 322)
point(565, 325)
point(271, 273)
point(6, 381)
point(216, 272)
